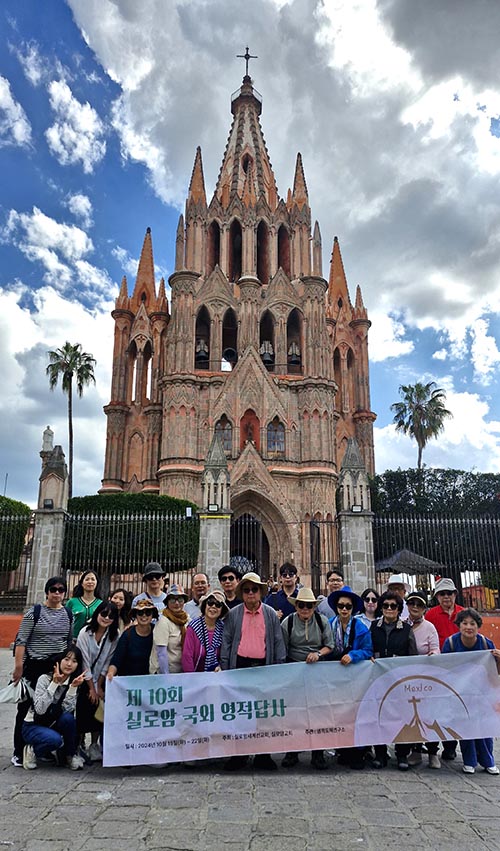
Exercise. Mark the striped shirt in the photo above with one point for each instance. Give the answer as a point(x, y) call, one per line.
point(51, 634)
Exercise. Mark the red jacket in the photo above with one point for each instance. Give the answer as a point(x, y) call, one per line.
point(444, 622)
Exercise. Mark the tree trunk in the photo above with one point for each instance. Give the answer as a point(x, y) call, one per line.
point(70, 433)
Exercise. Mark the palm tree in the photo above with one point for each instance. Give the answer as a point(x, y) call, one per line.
point(421, 414)
point(69, 362)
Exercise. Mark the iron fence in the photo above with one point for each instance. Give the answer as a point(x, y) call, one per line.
point(117, 545)
point(425, 547)
point(16, 540)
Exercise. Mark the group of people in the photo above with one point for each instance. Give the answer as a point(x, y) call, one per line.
point(69, 651)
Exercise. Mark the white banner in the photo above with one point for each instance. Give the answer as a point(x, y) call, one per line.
point(295, 707)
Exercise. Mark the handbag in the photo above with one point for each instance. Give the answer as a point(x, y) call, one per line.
point(99, 713)
point(16, 692)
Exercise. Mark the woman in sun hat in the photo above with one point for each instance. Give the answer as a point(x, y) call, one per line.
point(308, 638)
point(169, 633)
point(201, 650)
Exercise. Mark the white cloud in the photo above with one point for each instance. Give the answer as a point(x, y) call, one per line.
point(387, 338)
point(61, 249)
point(81, 207)
point(15, 129)
point(484, 351)
point(77, 134)
point(35, 67)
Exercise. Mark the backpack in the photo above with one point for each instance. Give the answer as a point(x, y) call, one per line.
point(317, 618)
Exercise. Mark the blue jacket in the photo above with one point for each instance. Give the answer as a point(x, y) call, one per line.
point(360, 642)
point(279, 600)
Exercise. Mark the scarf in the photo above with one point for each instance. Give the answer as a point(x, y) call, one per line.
point(341, 638)
point(199, 628)
point(180, 620)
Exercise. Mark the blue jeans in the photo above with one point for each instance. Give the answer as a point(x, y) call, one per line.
point(44, 740)
point(476, 751)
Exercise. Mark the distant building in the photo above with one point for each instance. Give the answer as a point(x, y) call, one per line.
point(256, 346)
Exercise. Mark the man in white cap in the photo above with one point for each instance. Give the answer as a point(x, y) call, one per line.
point(397, 583)
point(252, 638)
point(443, 617)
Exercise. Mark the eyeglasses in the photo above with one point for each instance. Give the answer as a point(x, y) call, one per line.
point(370, 599)
point(347, 606)
point(251, 589)
point(417, 603)
point(289, 573)
point(216, 603)
point(389, 606)
point(305, 605)
point(57, 589)
point(228, 578)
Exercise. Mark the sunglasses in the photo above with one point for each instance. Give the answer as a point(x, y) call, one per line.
point(251, 589)
point(144, 614)
point(346, 606)
point(289, 573)
point(106, 615)
point(228, 578)
point(417, 603)
point(57, 589)
point(305, 605)
point(213, 602)
point(444, 593)
point(370, 599)
point(389, 606)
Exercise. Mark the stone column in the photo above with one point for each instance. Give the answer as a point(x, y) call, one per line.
point(46, 555)
point(356, 549)
point(215, 531)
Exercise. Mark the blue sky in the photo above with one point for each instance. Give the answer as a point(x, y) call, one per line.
point(395, 110)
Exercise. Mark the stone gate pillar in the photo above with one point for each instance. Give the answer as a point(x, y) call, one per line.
point(356, 521)
point(215, 514)
point(48, 537)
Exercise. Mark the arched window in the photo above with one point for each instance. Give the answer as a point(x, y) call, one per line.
point(284, 250)
point(276, 437)
point(266, 341)
point(263, 253)
point(213, 247)
point(294, 342)
point(235, 251)
point(225, 431)
point(229, 338)
point(202, 340)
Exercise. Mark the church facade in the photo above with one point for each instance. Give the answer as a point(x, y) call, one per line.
point(256, 346)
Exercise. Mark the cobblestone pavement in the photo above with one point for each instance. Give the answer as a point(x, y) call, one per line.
point(203, 809)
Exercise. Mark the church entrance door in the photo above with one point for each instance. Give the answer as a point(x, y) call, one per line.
point(249, 546)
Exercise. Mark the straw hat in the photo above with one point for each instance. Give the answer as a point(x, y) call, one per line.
point(305, 595)
point(254, 579)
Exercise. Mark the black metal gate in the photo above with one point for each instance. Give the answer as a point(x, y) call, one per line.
point(249, 546)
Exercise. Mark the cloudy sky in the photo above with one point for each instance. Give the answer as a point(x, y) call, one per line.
point(395, 107)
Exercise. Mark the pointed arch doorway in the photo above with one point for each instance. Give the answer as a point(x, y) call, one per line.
point(249, 546)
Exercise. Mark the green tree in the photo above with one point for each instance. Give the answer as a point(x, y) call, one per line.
point(421, 413)
point(73, 367)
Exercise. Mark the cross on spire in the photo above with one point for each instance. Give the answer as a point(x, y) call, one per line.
point(246, 56)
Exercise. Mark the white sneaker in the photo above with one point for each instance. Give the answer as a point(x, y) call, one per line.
point(95, 752)
point(75, 762)
point(29, 758)
point(492, 769)
point(16, 761)
point(468, 769)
